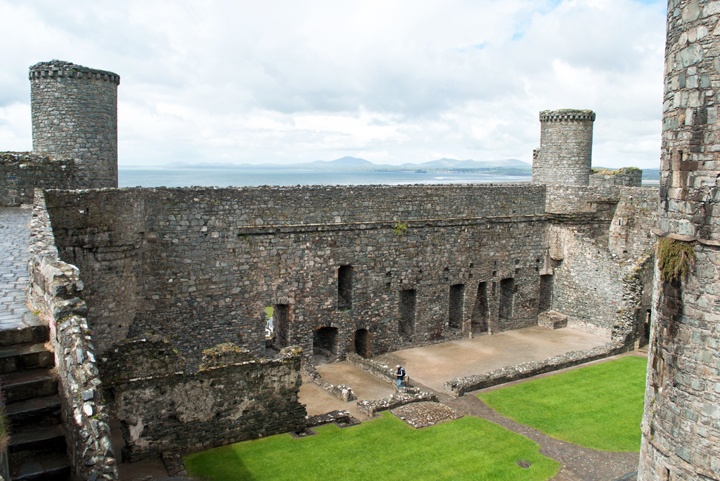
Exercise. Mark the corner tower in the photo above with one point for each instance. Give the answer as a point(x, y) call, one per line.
point(681, 422)
point(565, 153)
point(74, 115)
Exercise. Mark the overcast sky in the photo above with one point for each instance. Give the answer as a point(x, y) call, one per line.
point(388, 81)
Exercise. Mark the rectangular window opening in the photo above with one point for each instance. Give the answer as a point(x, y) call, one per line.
point(345, 281)
point(481, 311)
point(408, 300)
point(455, 310)
point(546, 292)
point(281, 325)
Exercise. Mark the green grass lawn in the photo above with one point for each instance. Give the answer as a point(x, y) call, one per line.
point(383, 449)
point(598, 406)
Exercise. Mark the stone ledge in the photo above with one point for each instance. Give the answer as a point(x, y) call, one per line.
point(459, 386)
point(340, 391)
point(411, 395)
point(341, 418)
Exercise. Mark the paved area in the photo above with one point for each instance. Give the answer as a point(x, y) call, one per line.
point(436, 364)
point(14, 241)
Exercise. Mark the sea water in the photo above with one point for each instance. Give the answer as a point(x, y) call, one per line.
point(222, 177)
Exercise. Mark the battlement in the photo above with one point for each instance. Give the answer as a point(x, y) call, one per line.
point(63, 69)
point(567, 115)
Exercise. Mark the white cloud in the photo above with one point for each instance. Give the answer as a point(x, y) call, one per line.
point(396, 81)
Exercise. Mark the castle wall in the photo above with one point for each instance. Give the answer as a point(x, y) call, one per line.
point(200, 265)
point(681, 422)
point(55, 292)
point(163, 409)
point(587, 285)
point(22, 172)
point(627, 176)
point(74, 116)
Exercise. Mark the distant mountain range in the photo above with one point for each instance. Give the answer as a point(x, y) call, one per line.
point(357, 164)
point(350, 164)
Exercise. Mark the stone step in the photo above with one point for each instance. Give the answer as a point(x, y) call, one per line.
point(39, 438)
point(25, 356)
point(39, 465)
point(40, 411)
point(30, 330)
point(19, 386)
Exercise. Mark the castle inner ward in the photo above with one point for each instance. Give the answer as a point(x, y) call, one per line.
point(156, 299)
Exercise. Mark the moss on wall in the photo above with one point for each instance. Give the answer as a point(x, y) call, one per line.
point(675, 259)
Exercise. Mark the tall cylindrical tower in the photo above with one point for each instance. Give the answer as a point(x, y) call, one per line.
point(74, 115)
point(565, 153)
point(681, 422)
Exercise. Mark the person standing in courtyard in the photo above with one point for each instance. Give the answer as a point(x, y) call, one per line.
point(400, 376)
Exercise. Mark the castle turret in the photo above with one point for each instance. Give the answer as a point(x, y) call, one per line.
point(565, 152)
point(681, 422)
point(74, 115)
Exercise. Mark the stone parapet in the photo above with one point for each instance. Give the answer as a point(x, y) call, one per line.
point(23, 172)
point(54, 291)
point(567, 115)
point(62, 69)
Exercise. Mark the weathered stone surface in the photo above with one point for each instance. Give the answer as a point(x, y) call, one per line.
point(74, 115)
point(370, 407)
point(681, 423)
point(54, 292)
point(565, 152)
point(192, 411)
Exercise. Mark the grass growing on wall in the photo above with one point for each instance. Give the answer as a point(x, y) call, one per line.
point(675, 259)
point(383, 449)
point(598, 406)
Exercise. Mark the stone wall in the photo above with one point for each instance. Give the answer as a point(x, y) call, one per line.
point(609, 265)
point(162, 408)
point(681, 422)
point(461, 385)
point(631, 230)
point(626, 176)
point(22, 172)
point(55, 291)
point(74, 115)
point(587, 284)
point(199, 266)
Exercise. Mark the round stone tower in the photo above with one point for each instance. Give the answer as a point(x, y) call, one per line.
point(565, 152)
point(74, 115)
point(681, 422)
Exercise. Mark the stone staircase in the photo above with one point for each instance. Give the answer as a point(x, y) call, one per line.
point(37, 449)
